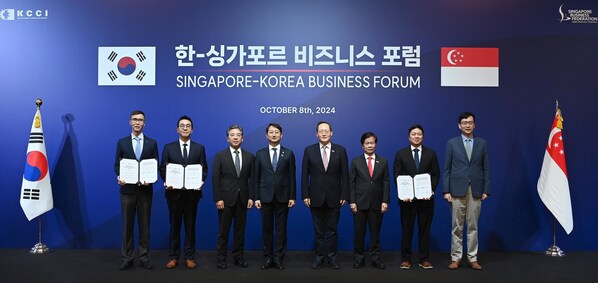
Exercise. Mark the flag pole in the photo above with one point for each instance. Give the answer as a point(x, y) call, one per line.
point(554, 251)
point(40, 247)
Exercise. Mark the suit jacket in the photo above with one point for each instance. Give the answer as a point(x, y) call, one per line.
point(225, 182)
point(405, 165)
point(459, 172)
point(124, 149)
point(172, 154)
point(269, 184)
point(366, 191)
point(321, 185)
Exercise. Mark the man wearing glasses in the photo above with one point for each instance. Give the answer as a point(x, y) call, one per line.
point(135, 199)
point(466, 183)
point(183, 202)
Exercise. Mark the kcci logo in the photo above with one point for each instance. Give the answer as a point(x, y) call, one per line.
point(13, 14)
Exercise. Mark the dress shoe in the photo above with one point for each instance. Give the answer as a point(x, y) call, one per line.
point(146, 264)
point(475, 265)
point(278, 265)
point(378, 264)
point(454, 265)
point(126, 265)
point(317, 264)
point(172, 263)
point(426, 265)
point(405, 265)
point(333, 264)
point(190, 263)
point(267, 264)
point(241, 262)
point(221, 265)
point(358, 264)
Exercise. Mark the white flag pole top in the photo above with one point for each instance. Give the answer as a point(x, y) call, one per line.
point(36, 190)
point(553, 184)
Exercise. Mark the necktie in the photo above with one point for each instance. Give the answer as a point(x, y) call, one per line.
point(185, 153)
point(138, 148)
point(370, 167)
point(468, 148)
point(325, 157)
point(237, 163)
point(416, 158)
point(274, 159)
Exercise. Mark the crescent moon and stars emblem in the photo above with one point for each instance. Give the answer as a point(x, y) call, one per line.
point(454, 57)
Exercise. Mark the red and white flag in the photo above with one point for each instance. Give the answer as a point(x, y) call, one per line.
point(553, 184)
point(467, 66)
point(36, 190)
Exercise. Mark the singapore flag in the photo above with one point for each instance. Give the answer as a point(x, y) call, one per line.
point(469, 66)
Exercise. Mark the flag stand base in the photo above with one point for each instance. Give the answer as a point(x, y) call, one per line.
point(40, 248)
point(555, 251)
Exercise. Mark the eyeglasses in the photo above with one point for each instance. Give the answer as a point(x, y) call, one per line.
point(135, 120)
point(465, 123)
point(188, 126)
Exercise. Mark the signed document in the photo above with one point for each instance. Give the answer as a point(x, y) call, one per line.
point(419, 187)
point(138, 172)
point(188, 177)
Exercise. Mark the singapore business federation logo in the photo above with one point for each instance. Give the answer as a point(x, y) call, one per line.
point(577, 16)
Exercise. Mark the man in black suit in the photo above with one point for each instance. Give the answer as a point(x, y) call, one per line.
point(182, 203)
point(135, 199)
point(413, 160)
point(274, 193)
point(369, 195)
point(324, 189)
point(230, 181)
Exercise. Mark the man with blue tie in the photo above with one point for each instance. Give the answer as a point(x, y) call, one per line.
point(274, 193)
point(466, 183)
point(135, 199)
point(182, 203)
point(324, 189)
point(230, 183)
point(369, 195)
point(413, 160)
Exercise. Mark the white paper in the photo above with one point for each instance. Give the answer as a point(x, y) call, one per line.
point(422, 185)
point(188, 177)
point(129, 171)
point(405, 187)
point(133, 171)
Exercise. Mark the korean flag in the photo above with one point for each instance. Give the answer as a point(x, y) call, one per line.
point(134, 66)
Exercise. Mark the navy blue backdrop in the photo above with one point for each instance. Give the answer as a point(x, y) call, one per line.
point(542, 59)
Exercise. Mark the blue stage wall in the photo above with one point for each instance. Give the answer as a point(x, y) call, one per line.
point(541, 59)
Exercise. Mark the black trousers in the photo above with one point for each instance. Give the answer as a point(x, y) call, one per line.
point(274, 218)
point(363, 219)
point(182, 211)
point(138, 204)
point(226, 216)
point(424, 211)
point(326, 231)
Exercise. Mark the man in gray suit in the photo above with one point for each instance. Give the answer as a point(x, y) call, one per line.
point(466, 183)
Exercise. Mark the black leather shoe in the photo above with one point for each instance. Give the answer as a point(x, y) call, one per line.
point(333, 265)
point(146, 265)
point(241, 262)
point(267, 264)
point(278, 265)
point(317, 264)
point(358, 264)
point(378, 264)
point(221, 265)
point(126, 265)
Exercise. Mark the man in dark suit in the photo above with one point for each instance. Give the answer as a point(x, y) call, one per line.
point(274, 193)
point(230, 181)
point(369, 195)
point(135, 199)
point(466, 183)
point(324, 189)
point(413, 160)
point(182, 203)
